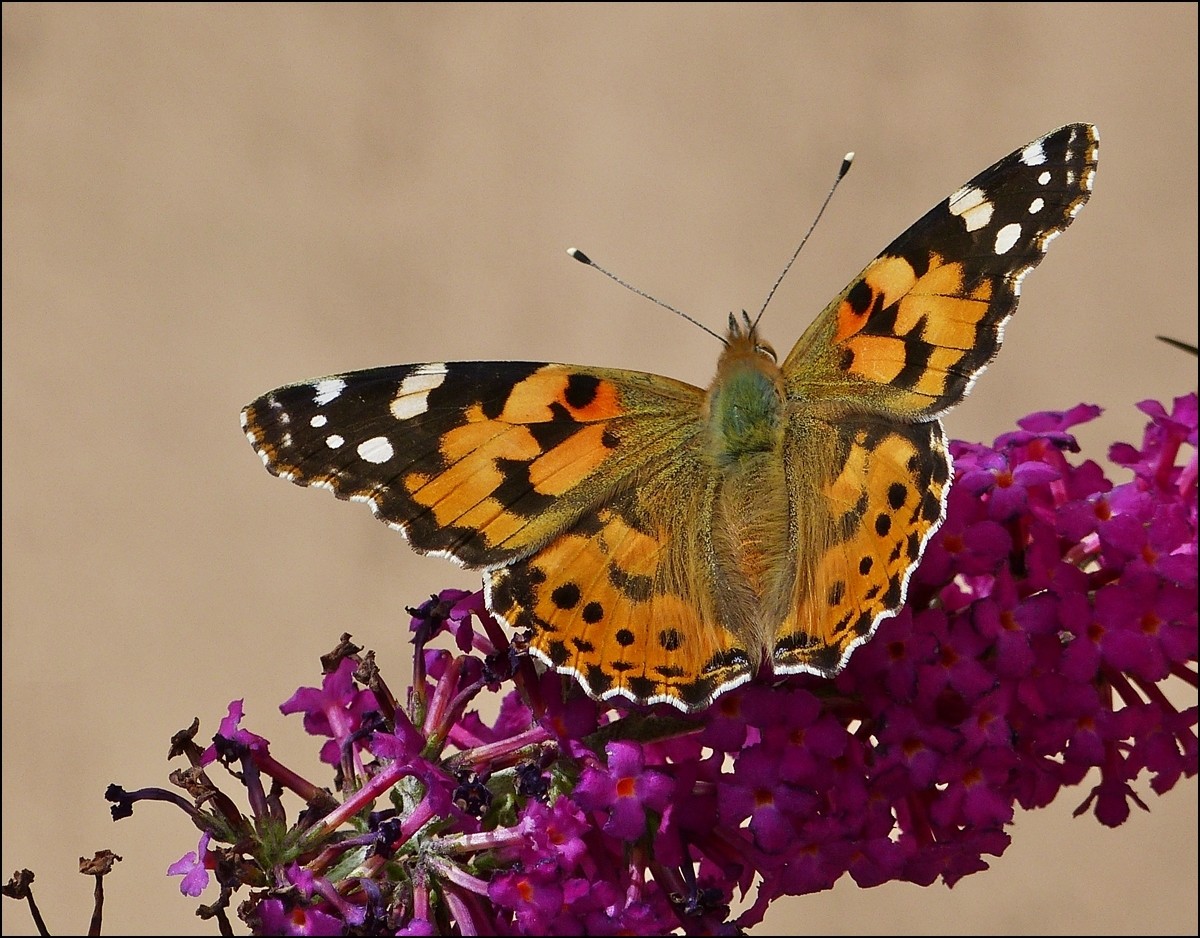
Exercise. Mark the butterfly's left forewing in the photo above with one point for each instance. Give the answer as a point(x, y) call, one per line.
point(911, 333)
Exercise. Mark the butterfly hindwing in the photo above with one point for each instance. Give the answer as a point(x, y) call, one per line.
point(877, 492)
point(610, 603)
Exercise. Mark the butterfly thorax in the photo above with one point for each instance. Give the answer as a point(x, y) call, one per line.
point(744, 408)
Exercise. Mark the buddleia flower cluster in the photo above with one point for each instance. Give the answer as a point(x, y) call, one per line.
point(1047, 616)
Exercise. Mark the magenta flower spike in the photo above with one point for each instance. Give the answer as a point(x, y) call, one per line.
point(1040, 629)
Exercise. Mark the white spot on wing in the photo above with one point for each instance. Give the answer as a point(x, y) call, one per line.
point(1033, 155)
point(972, 206)
point(1044, 178)
point(327, 389)
point(1006, 237)
point(333, 441)
point(376, 450)
point(1036, 206)
point(318, 421)
point(412, 399)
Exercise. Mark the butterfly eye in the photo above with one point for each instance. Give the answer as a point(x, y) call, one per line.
point(765, 348)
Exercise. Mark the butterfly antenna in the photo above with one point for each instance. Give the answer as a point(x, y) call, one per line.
point(845, 168)
point(1175, 343)
point(584, 259)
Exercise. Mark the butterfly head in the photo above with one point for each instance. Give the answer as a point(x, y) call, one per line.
point(744, 337)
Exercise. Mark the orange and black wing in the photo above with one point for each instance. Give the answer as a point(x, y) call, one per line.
point(911, 333)
point(867, 381)
point(581, 490)
point(482, 462)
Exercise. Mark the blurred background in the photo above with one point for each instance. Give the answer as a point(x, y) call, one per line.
point(202, 202)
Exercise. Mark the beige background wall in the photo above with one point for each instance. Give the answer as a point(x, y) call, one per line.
point(202, 202)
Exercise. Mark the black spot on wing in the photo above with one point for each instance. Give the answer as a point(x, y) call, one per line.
point(860, 298)
point(581, 390)
point(566, 596)
point(597, 681)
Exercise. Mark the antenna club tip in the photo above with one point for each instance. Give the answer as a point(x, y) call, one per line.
point(846, 161)
point(580, 256)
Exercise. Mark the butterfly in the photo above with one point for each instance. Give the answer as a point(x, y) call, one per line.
point(663, 542)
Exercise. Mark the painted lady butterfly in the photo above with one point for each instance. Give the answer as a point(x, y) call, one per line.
point(663, 542)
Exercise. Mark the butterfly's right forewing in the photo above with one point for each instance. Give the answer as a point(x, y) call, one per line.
point(483, 462)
